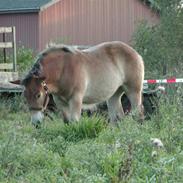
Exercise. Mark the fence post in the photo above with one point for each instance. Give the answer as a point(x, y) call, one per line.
point(14, 50)
point(4, 49)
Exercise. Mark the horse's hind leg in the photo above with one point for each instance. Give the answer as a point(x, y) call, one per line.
point(114, 105)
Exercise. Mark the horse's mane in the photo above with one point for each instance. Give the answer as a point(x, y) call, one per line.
point(36, 68)
point(35, 71)
point(59, 47)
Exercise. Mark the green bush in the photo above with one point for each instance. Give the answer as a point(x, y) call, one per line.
point(25, 59)
point(161, 45)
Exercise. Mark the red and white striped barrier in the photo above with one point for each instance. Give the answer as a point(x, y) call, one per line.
point(171, 80)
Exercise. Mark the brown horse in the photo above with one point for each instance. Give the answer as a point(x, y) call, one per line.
point(100, 73)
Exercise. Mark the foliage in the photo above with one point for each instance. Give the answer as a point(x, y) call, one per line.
point(91, 150)
point(161, 45)
point(154, 4)
point(25, 58)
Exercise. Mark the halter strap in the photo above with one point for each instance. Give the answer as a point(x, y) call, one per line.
point(45, 86)
point(46, 99)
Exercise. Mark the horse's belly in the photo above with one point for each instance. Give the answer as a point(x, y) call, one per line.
point(100, 90)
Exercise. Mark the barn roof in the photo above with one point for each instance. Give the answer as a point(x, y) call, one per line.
point(24, 6)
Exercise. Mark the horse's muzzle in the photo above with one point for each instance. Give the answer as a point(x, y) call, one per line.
point(37, 117)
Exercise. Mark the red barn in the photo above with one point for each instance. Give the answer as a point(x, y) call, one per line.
point(78, 22)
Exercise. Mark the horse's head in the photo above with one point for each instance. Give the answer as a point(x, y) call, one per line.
point(36, 94)
point(49, 63)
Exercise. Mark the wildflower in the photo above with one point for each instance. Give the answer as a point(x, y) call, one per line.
point(157, 142)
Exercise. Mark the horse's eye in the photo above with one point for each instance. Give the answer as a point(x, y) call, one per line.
point(38, 95)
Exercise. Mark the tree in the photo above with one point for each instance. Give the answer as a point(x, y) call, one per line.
point(162, 45)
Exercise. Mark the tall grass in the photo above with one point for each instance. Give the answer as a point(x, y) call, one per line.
point(91, 150)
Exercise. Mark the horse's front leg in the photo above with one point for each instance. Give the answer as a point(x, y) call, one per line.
point(65, 113)
point(75, 105)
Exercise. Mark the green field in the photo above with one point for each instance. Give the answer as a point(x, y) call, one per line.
point(91, 150)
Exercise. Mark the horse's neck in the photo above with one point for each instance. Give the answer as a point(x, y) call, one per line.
point(52, 71)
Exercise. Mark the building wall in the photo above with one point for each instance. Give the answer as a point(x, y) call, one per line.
point(79, 22)
point(26, 28)
point(88, 22)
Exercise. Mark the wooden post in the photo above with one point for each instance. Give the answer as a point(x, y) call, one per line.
point(14, 50)
point(4, 49)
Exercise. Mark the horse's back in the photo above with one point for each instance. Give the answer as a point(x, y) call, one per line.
point(115, 53)
point(113, 58)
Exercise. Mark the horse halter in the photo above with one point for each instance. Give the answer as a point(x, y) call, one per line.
point(46, 99)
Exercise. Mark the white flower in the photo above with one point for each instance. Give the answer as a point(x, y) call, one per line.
point(157, 142)
point(117, 144)
point(154, 154)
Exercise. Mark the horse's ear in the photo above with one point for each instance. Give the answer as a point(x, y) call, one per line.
point(41, 78)
point(17, 82)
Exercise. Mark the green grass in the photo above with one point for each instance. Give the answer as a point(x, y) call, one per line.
point(91, 150)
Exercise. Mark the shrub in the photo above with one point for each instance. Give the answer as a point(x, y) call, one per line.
point(161, 45)
point(25, 59)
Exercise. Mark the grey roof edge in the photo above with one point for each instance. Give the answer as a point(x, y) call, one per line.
point(29, 10)
point(47, 5)
point(22, 10)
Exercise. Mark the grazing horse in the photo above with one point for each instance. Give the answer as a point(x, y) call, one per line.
point(78, 77)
